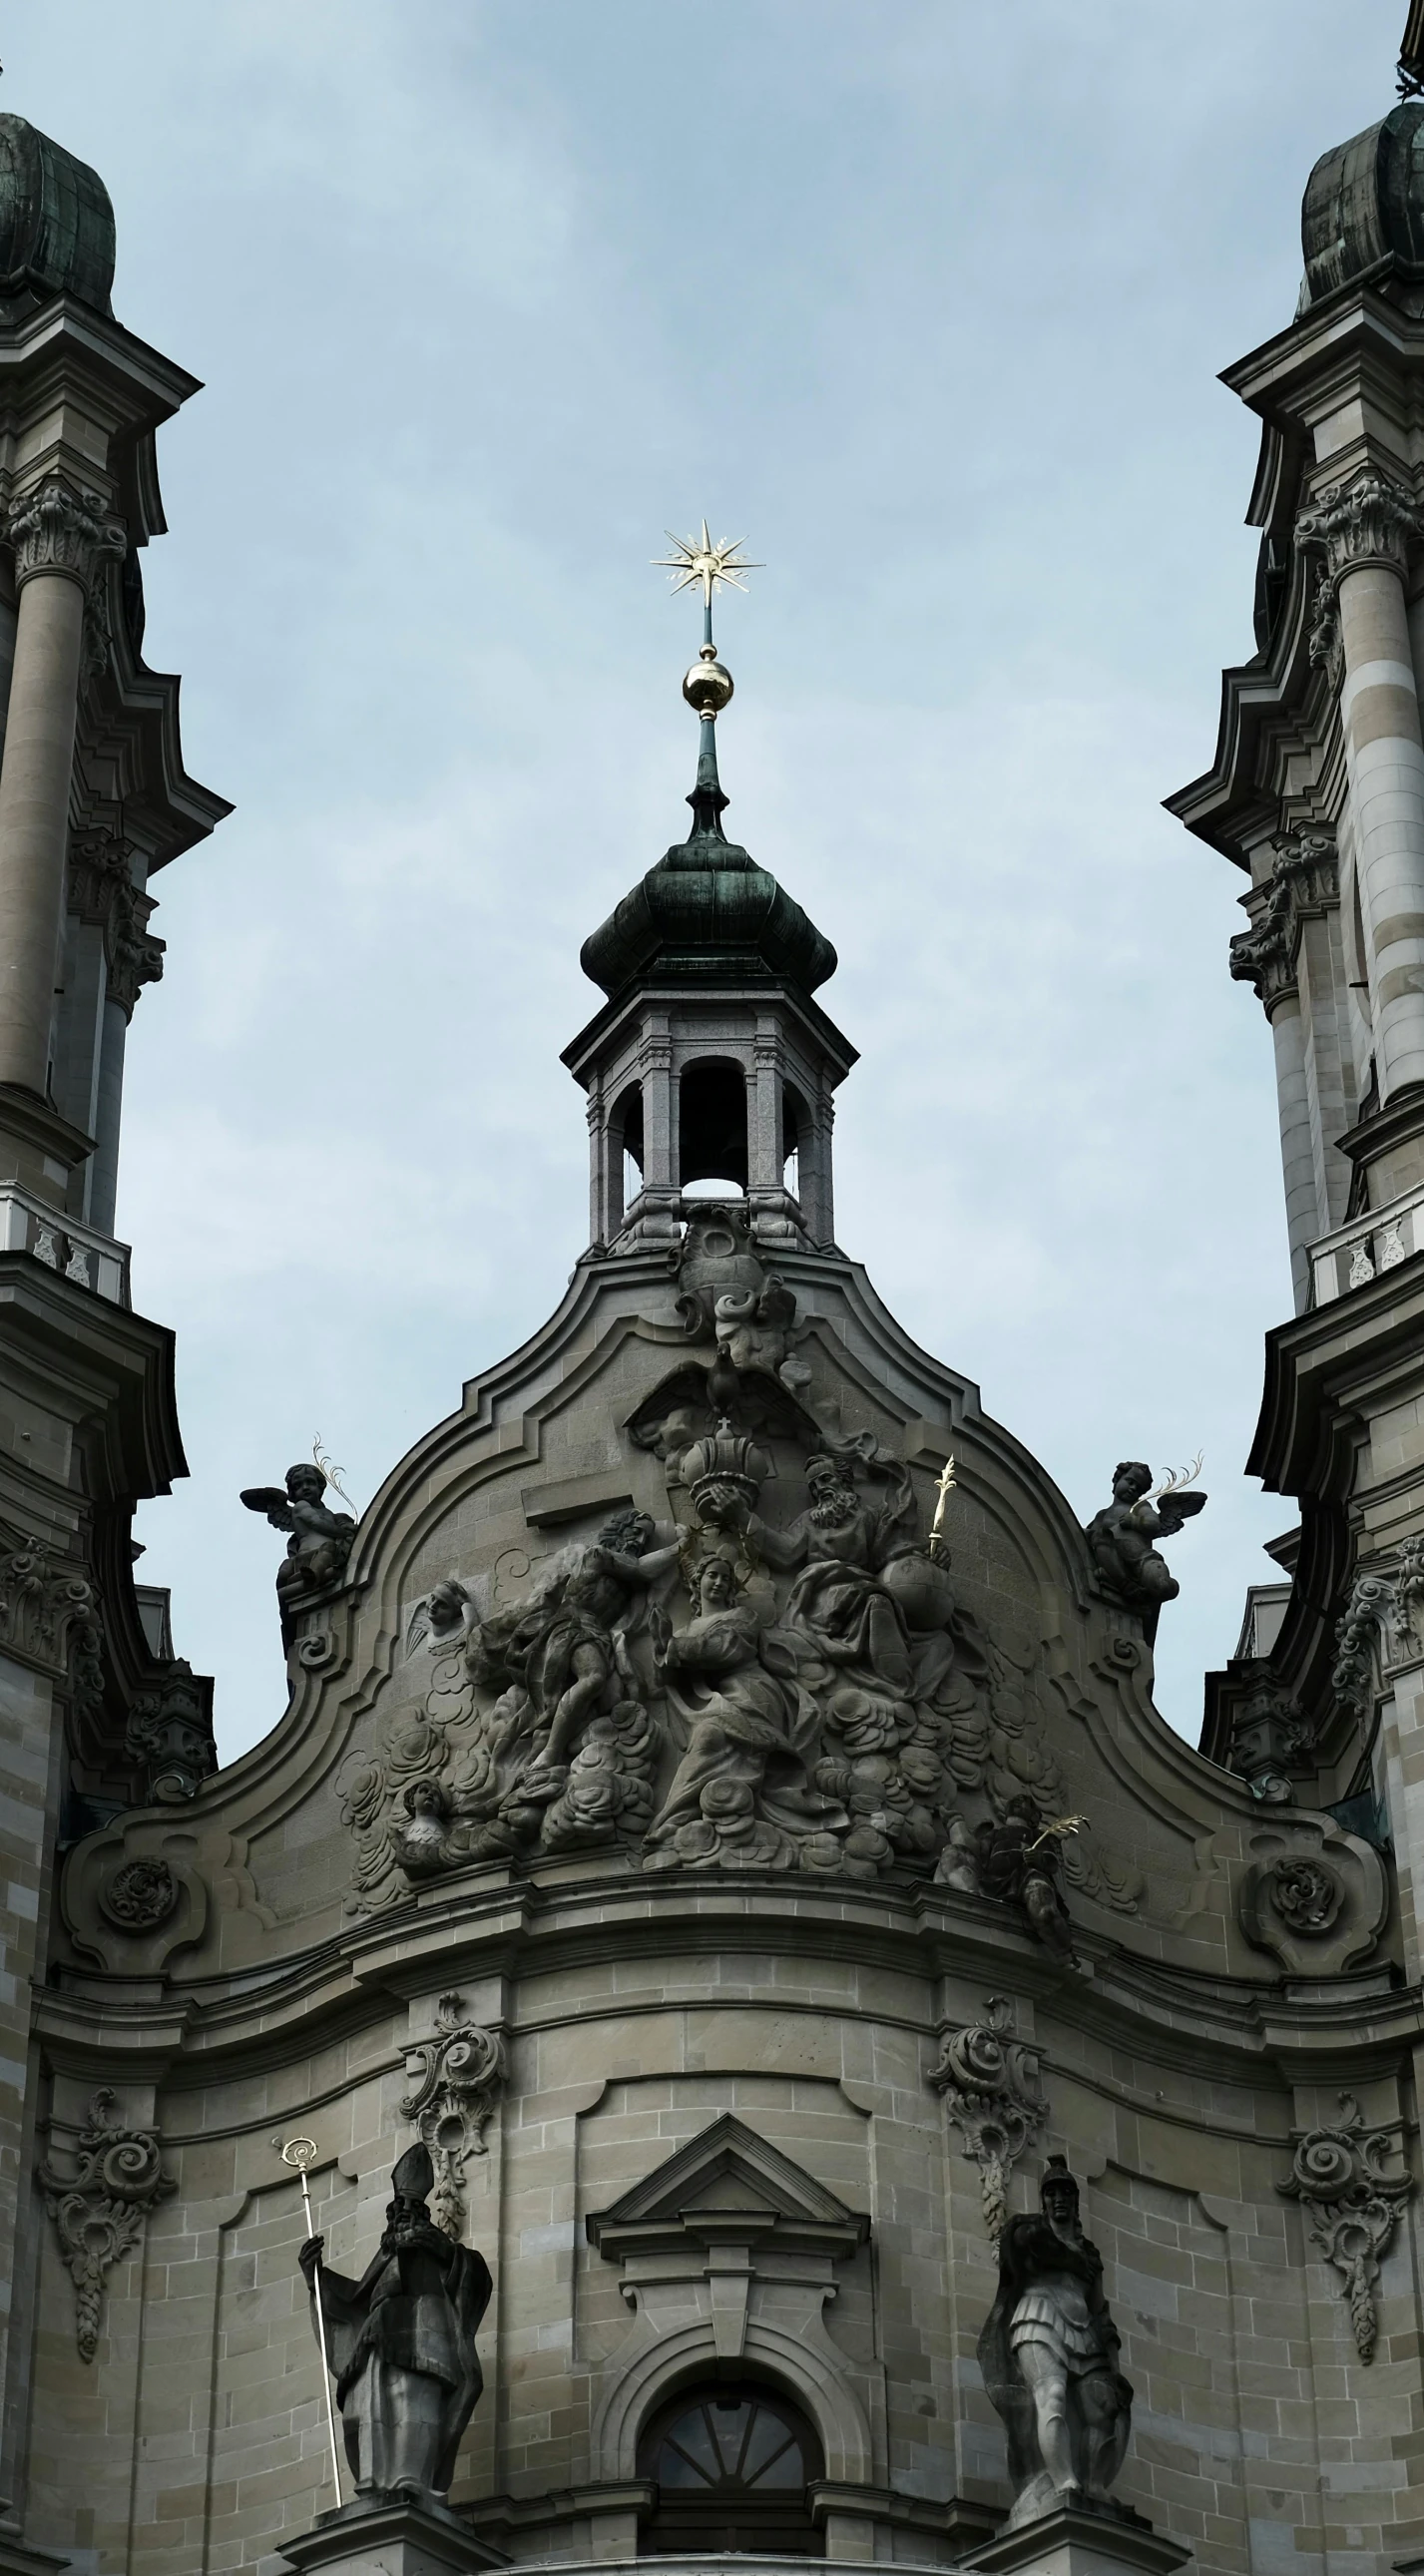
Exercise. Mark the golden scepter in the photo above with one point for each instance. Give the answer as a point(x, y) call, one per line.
point(943, 1489)
point(302, 2152)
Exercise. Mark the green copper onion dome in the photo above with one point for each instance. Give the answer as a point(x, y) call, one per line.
point(706, 913)
point(1363, 213)
point(56, 222)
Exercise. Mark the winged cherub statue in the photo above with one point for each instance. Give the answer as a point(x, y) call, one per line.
point(320, 1540)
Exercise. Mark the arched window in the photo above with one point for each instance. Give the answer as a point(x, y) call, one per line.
point(625, 1129)
point(732, 2463)
point(712, 1123)
point(795, 1132)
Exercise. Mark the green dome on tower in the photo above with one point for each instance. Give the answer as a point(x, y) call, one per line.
point(56, 222)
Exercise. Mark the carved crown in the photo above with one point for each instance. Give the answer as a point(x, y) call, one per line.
point(724, 1457)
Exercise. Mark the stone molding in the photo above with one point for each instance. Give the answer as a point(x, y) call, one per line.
point(1369, 520)
point(460, 2073)
point(1352, 2207)
point(53, 528)
point(990, 2083)
point(728, 2253)
point(100, 2211)
point(102, 893)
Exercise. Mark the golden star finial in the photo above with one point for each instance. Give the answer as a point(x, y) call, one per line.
point(702, 564)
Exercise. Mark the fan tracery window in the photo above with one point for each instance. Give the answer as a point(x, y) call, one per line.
point(732, 2465)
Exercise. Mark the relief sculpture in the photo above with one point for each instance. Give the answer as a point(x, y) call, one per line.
point(731, 1685)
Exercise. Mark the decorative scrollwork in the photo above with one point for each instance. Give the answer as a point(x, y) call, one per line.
point(991, 2089)
point(1352, 2205)
point(460, 2071)
point(1306, 1894)
point(1379, 1613)
point(140, 1895)
point(100, 2210)
point(47, 1610)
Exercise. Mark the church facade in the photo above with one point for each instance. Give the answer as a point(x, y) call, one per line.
point(720, 1847)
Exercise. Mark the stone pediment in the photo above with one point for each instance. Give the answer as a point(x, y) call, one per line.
point(726, 2184)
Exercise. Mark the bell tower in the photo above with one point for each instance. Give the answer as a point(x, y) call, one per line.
point(97, 1717)
point(711, 1060)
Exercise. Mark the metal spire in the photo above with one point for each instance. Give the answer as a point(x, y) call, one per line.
point(1411, 53)
point(701, 563)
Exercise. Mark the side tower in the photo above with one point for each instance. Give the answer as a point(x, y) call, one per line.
point(95, 1714)
point(1317, 795)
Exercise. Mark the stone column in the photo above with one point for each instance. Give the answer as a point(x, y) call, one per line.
point(58, 536)
point(1365, 526)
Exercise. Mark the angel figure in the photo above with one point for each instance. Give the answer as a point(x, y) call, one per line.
point(320, 1540)
point(755, 1328)
point(1121, 1539)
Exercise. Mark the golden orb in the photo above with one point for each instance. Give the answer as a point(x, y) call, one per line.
point(708, 684)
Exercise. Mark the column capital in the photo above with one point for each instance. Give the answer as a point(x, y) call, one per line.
point(1367, 520)
point(1304, 879)
point(102, 892)
point(54, 528)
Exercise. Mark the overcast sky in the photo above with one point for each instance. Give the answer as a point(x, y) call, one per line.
point(926, 299)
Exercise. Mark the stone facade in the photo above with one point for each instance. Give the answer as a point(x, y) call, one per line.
point(720, 1812)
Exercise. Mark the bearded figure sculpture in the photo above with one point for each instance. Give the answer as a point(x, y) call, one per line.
point(740, 1791)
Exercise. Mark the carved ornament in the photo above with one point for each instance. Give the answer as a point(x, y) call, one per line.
point(56, 529)
point(1270, 1737)
point(100, 2211)
point(460, 2073)
point(1307, 1894)
point(776, 1675)
point(990, 2083)
point(1378, 1624)
point(48, 1614)
point(1313, 1895)
point(1327, 652)
point(1352, 2206)
point(1303, 881)
point(1367, 521)
point(170, 1733)
point(139, 1896)
point(102, 892)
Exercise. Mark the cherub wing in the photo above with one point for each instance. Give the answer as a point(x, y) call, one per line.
point(271, 1500)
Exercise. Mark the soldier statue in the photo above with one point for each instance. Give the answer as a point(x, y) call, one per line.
point(1049, 2354)
point(401, 2345)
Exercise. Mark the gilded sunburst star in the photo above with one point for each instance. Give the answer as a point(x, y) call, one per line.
point(699, 563)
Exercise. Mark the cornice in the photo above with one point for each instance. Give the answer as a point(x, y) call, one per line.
point(1323, 1370)
point(1333, 338)
point(64, 333)
point(102, 1367)
point(490, 1924)
point(659, 993)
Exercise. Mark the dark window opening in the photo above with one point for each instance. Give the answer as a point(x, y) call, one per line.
point(732, 2464)
point(625, 1135)
point(712, 1124)
point(794, 1129)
